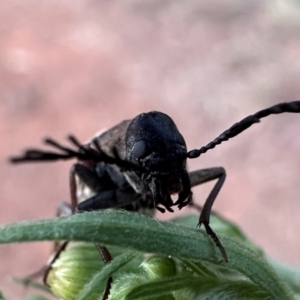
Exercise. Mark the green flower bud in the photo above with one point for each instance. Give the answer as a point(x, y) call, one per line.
point(75, 265)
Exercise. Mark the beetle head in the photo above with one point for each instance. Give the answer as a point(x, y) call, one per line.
point(154, 143)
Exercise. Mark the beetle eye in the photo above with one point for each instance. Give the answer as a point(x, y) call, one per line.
point(140, 150)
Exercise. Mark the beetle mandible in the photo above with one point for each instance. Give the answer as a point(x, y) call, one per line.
point(138, 164)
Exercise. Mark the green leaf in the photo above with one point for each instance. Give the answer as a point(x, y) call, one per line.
point(125, 283)
point(239, 290)
point(201, 287)
point(220, 225)
point(137, 232)
point(289, 274)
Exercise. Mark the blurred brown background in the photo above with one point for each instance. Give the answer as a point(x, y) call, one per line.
point(75, 66)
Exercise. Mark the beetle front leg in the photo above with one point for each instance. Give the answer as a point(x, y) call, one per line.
point(114, 198)
point(96, 182)
point(73, 188)
point(202, 176)
point(86, 175)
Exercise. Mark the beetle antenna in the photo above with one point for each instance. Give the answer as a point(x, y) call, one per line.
point(55, 144)
point(84, 153)
point(39, 155)
point(237, 128)
point(32, 155)
point(74, 141)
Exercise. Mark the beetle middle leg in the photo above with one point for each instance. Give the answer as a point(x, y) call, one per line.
point(88, 177)
point(107, 193)
point(107, 187)
point(106, 256)
point(202, 176)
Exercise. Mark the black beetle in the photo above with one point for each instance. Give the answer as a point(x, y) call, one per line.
point(139, 163)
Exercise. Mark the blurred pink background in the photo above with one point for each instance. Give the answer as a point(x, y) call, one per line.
point(81, 66)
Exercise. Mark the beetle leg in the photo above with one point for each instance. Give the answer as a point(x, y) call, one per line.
point(55, 256)
point(106, 256)
point(73, 188)
point(114, 198)
point(87, 176)
point(63, 209)
point(202, 176)
point(107, 194)
point(96, 181)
